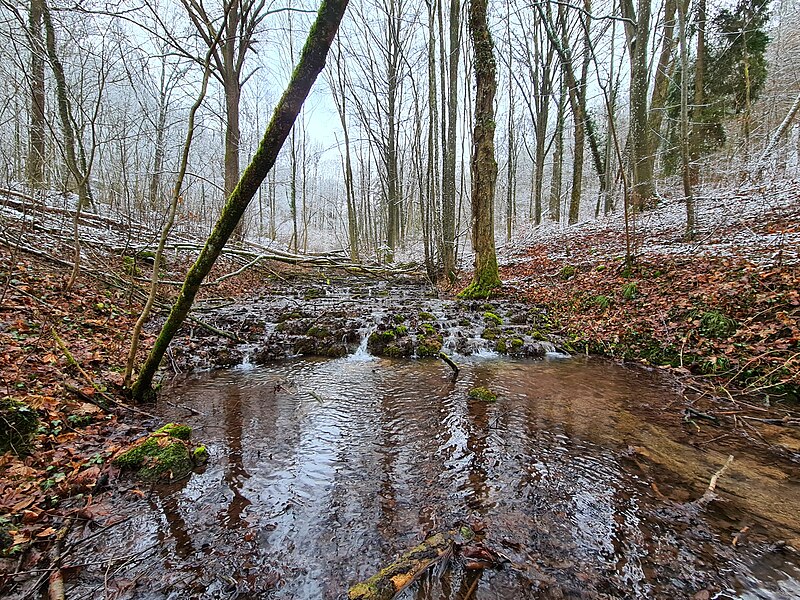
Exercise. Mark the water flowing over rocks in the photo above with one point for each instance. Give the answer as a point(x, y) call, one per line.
point(359, 317)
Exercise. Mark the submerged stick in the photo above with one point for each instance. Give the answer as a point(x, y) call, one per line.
point(450, 362)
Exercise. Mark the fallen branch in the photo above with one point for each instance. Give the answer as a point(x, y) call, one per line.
point(450, 363)
point(396, 577)
point(709, 494)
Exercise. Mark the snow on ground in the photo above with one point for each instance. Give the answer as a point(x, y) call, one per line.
point(760, 222)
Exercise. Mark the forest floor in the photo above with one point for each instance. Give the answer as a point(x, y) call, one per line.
point(722, 312)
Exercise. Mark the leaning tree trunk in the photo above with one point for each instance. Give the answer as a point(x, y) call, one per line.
point(483, 166)
point(312, 60)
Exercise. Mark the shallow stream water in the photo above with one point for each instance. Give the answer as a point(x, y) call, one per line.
point(322, 471)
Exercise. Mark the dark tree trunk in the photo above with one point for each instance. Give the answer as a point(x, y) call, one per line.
point(37, 133)
point(483, 167)
point(449, 174)
point(312, 60)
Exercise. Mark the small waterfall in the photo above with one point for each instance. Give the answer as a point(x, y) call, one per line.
point(550, 350)
point(362, 353)
point(246, 365)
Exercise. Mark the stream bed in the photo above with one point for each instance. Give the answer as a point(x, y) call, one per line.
point(582, 474)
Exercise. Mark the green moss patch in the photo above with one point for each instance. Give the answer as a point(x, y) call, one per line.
point(165, 454)
point(483, 394)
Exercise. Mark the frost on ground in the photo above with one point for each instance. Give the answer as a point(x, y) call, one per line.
point(758, 222)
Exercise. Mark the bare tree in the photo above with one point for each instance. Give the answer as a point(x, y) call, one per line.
point(484, 165)
point(312, 61)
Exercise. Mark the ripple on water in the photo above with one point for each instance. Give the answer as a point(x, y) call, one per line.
point(322, 471)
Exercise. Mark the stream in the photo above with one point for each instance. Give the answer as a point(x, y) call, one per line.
point(324, 470)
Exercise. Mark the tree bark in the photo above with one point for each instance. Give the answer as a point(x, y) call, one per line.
point(38, 125)
point(637, 27)
point(687, 177)
point(449, 174)
point(554, 208)
point(483, 166)
point(312, 60)
point(699, 94)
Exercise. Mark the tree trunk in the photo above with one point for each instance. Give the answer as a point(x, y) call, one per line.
point(578, 98)
point(312, 60)
point(558, 157)
point(637, 30)
point(483, 166)
point(699, 94)
point(158, 153)
point(449, 174)
point(687, 179)
point(38, 125)
point(658, 98)
point(232, 135)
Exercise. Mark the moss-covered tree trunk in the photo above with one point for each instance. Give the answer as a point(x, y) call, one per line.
point(483, 167)
point(312, 60)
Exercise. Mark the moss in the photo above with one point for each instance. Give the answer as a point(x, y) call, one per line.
point(427, 329)
point(516, 343)
point(492, 319)
point(567, 272)
point(501, 346)
point(313, 293)
point(426, 316)
point(399, 318)
point(200, 454)
point(129, 266)
point(18, 422)
point(537, 335)
point(401, 330)
point(490, 333)
point(483, 394)
point(289, 316)
point(165, 454)
point(464, 322)
point(483, 287)
point(318, 332)
point(429, 348)
point(176, 430)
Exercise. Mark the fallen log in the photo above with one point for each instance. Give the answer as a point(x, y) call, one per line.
point(393, 579)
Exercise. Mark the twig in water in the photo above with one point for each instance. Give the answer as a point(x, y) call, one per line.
point(450, 363)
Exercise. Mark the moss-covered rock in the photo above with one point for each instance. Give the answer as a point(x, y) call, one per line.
point(391, 343)
point(165, 454)
point(483, 394)
point(429, 347)
point(492, 319)
point(18, 422)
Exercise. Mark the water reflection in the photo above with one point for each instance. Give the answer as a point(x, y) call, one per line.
point(322, 471)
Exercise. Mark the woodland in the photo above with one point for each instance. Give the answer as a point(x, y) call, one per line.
point(548, 220)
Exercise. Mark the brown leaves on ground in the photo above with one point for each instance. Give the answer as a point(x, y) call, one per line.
point(722, 318)
point(75, 437)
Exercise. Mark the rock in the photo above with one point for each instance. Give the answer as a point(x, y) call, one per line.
point(165, 454)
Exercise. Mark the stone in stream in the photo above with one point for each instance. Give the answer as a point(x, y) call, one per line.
point(166, 454)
